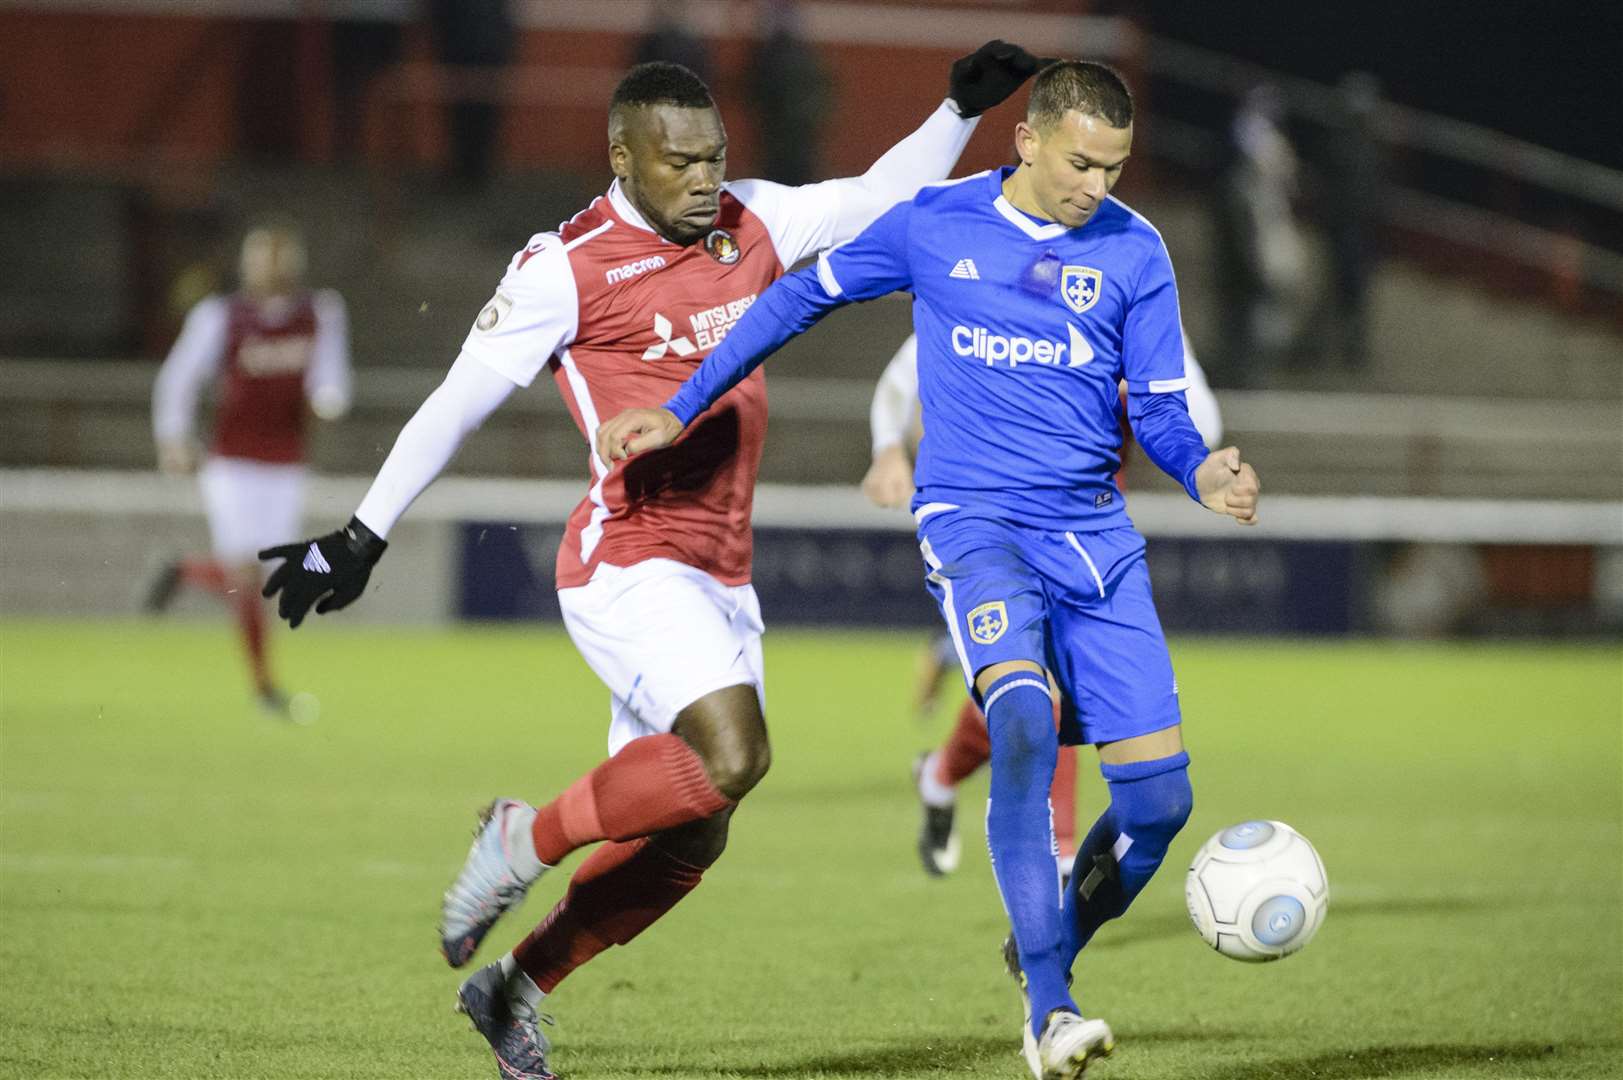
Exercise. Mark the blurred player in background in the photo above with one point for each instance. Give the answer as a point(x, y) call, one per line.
point(278, 353)
point(896, 421)
point(619, 306)
point(1034, 295)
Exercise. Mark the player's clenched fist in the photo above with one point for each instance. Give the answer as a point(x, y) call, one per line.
point(1228, 485)
point(332, 568)
point(987, 76)
point(636, 430)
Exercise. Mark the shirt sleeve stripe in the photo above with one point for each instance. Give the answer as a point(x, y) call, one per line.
point(825, 275)
point(1168, 386)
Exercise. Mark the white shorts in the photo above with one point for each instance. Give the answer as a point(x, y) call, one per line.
point(662, 635)
point(251, 505)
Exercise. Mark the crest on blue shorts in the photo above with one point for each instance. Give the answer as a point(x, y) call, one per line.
point(1080, 286)
point(987, 622)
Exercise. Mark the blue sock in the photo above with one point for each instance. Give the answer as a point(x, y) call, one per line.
point(1149, 802)
point(1020, 832)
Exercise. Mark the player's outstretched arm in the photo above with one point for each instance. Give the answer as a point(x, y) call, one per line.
point(1228, 485)
point(792, 305)
point(976, 83)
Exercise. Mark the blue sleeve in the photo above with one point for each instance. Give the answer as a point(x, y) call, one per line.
point(875, 263)
point(789, 307)
point(871, 265)
point(1162, 427)
point(1152, 363)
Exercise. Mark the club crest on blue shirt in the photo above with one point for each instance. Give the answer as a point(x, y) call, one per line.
point(1080, 286)
point(987, 622)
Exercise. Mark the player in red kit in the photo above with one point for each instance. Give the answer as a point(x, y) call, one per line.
point(278, 353)
point(620, 305)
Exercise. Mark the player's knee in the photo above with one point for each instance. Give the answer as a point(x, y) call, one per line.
point(736, 768)
point(1020, 720)
point(1159, 805)
point(1172, 809)
point(1021, 743)
point(728, 732)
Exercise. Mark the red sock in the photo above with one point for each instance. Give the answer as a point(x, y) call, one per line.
point(655, 783)
point(206, 574)
point(1062, 796)
point(251, 622)
point(616, 894)
point(966, 749)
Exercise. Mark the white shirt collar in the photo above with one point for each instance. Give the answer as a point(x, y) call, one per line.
point(1025, 224)
point(626, 212)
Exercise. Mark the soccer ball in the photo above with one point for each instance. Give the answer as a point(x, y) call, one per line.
point(1257, 891)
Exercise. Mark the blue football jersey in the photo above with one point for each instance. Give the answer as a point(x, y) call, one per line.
point(1025, 330)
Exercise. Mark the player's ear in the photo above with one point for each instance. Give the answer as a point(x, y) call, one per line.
point(1026, 142)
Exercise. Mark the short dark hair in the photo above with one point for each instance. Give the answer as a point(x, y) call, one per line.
point(661, 83)
point(1083, 86)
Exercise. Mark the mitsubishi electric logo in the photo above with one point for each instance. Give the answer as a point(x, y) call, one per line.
point(982, 344)
point(707, 327)
point(681, 346)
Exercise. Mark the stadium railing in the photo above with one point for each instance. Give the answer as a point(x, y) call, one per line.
point(1507, 164)
point(96, 414)
point(82, 542)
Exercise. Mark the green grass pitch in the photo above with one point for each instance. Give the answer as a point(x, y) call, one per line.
point(188, 889)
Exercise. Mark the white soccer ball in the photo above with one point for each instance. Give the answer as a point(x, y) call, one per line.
point(1257, 891)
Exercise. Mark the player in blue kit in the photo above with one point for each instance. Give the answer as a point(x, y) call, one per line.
point(1034, 293)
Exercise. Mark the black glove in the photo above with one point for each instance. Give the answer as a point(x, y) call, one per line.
point(334, 566)
point(987, 76)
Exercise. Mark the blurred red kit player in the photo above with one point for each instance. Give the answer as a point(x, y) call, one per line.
point(277, 353)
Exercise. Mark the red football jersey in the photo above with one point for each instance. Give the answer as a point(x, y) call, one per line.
point(269, 357)
point(261, 413)
point(692, 500)
point(621, 316)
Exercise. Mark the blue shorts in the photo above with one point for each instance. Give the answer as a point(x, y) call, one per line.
point(1077, 603)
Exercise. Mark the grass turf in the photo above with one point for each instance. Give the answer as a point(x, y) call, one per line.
point(188, 889)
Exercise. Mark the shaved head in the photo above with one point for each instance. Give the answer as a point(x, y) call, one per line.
point(668, 149)
point(1079, 86)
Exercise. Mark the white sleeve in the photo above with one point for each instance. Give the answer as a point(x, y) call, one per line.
point(327, 382)
point(805, 220)
point(895, 406)
point(1203, 410)
point(470, 393)
point(193, 361)
point(534, 313)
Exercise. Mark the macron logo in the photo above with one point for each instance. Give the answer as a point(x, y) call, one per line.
point(315, 562)
point(965, 268)
point(632, 269)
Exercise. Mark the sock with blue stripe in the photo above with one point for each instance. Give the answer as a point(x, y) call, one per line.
point(1149, 802)
point(1019, 832)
